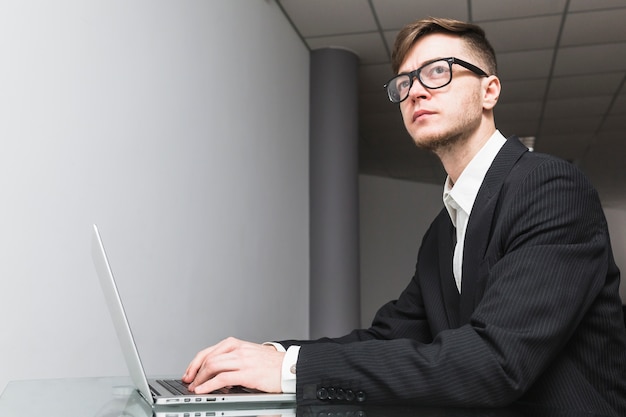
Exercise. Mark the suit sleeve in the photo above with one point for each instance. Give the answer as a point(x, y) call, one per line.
point(402, 318)
point(546, 264)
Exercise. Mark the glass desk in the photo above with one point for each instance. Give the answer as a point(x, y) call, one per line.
point(115, 397)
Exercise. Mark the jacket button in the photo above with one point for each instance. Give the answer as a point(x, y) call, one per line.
point(340, 394)
point(332, 394)
point(322, 394)
point(349, 395)
point(360, 396)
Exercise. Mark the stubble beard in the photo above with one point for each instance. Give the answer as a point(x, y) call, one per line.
point(446, 141)
point(440, 143)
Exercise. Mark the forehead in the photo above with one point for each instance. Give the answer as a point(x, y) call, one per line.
point(433, 46)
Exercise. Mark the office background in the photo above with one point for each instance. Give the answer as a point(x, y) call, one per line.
point(182, 129)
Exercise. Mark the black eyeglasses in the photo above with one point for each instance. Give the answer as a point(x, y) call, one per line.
point(433, 75)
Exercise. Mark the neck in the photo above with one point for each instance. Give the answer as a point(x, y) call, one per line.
point(457, 154)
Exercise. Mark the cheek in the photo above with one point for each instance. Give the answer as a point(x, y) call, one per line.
point(469, 106)
point(406, 112)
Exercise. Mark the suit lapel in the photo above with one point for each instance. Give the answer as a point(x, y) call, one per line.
point(480, 223)
point(450, 294)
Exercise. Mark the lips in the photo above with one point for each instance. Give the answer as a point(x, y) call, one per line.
point(421, 113)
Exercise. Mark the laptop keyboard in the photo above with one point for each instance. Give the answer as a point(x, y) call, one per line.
point(176, 386)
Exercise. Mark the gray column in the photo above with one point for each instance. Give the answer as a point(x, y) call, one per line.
point(334, 275)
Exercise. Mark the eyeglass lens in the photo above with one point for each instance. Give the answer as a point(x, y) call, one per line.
point(434, 75)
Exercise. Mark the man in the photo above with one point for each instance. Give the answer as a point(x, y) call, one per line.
point(515, 293)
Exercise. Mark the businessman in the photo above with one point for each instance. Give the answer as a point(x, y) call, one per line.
point(515, 293)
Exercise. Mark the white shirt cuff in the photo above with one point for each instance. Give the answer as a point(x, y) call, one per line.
point(288, 370)
point(288, 382)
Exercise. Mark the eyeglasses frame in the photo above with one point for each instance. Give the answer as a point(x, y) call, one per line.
point(416, 74)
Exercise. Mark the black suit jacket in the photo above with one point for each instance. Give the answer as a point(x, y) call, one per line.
point(538, 320)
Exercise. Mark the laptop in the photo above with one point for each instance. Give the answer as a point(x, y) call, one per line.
point(161, 392)
point(135, 405)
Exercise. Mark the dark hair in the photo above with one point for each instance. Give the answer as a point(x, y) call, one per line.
point(473, 35)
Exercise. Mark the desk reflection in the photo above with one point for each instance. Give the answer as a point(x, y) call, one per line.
point(116, 397)
point(135, 406)
point(415, 411)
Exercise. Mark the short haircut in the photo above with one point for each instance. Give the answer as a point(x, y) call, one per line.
point(473, 35)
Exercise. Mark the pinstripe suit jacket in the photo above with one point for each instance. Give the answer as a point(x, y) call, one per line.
point(538, 320)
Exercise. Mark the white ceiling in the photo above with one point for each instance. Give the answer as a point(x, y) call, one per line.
point(562, 64)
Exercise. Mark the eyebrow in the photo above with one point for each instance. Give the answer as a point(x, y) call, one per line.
point(422, 64)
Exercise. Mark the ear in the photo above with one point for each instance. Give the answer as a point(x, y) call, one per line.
point(491, 92)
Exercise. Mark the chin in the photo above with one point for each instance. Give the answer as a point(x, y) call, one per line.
point(428, 142)
point(435, 143)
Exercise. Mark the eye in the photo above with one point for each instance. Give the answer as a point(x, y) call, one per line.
point(403, 83)
point(437, 70)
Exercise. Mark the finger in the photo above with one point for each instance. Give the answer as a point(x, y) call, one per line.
point(225, 357)
point(224, 379)
point(205, 355)
point(253, 366)
point(195, 364)
point(214, 366)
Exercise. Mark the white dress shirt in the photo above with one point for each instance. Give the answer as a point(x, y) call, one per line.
point(288, 371)
point(458, 198)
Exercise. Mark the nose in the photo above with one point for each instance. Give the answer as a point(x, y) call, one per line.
point(417, 90)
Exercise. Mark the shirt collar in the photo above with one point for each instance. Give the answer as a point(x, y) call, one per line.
point(464, 191)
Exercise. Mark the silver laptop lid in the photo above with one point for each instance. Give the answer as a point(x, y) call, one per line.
point(118, 315)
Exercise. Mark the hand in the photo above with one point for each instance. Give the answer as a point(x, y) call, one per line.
point(235, 362)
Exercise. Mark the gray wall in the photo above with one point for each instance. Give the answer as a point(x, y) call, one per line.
point(394, 217)
point(166, 123)
point(616, 218)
